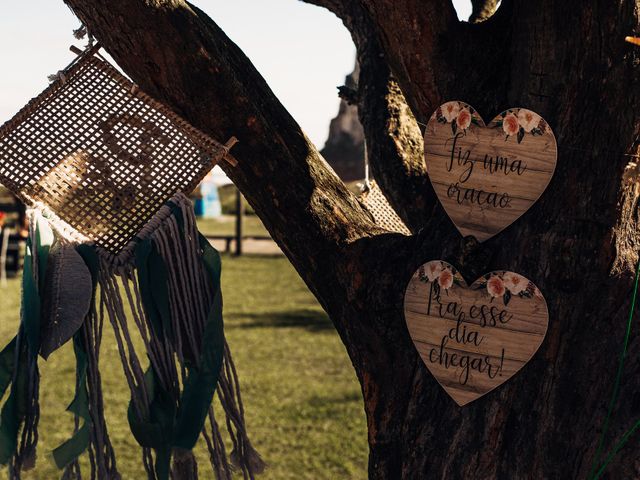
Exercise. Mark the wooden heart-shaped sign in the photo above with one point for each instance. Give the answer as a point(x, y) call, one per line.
point(475, 338)
point(486, 177)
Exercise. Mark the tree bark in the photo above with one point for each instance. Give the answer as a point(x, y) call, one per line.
point(578, 243)
point(482, 10)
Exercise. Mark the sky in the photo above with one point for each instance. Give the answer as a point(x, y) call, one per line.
point(303, 60)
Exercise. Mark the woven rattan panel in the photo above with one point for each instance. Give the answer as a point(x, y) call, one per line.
point(101, 154)
point(382, 212)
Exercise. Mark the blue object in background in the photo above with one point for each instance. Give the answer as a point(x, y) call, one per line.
point(198, 207)
point(211, 206)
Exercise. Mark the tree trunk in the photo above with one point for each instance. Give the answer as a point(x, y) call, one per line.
point(578, 243)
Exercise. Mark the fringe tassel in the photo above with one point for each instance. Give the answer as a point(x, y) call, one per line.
point(23, 408)
point(173, 342)
point(87, 342)
point(25, 457)
point(101, 454)
point(243, 456)
point(217, 452)
point(112, 305)
point(185, 466)
point(167, 282)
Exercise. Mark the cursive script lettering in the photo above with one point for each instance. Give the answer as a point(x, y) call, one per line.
point(450, 352)
point(479, 197)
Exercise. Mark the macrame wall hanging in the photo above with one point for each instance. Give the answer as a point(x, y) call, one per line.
point(105, 170)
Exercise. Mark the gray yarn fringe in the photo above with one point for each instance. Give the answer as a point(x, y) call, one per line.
point(190, 298)
point(102, 457)
point(25, 457)
point(101, 454)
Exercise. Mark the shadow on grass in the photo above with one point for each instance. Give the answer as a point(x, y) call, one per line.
point(311, 320)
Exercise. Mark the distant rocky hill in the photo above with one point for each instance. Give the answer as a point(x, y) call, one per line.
point(344, 149)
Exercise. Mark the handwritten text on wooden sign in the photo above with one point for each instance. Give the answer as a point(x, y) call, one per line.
point(475, 338)
point(488, 176)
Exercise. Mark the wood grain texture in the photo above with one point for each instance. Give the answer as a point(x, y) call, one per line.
point(488, 176)
point(473, 339)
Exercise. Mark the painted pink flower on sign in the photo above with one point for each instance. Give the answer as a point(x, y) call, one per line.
point(458, 115)
point(464, 119)
point(495, 286)
point(508, 285)
point(450, 111)
point(514, 283)
point(433, 270)
point(445, 280)
point(528, 120)
point(519, 122)
point(510, 124)
point(441, 275)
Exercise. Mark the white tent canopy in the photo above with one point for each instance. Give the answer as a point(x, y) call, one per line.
point(218, 177)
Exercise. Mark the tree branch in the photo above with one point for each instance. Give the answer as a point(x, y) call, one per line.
point(394, 141)
point(411, 26)
point(178, 55)
point(577, 243)
point(482, 10)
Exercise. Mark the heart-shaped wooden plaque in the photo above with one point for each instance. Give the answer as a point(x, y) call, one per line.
point(486, 177)
point(473, 338)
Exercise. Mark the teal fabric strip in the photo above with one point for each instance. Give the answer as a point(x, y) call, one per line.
point(168, 426)
point(202, 380)
point(159, 286)
point(156, 431)
point(44, 241)
point(13, 410)
point(7, 365)
point(153, 279)
point(76, 445)
point(176, 211)
point(31, 304)
point(8, 424)
point(616, 387)
point(27, 347)
point(79, 442)
point(90, 257)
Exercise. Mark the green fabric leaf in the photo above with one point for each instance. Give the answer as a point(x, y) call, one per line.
point(44, 241)
point(159, 286)
point(9, 421)
point(157, 430)
point(212, 260)
point(31, 304)
point(7, 364)
point(202, 379)
point(14, 409)
point(91, 260)
point(79, 442)
point(27, 343)
point(176, 211)
point(167, 427)
point(73, 448)
point(67, 297)
point(154, 286)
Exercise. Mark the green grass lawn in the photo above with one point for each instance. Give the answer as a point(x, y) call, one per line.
point(303, 403)
point(226, 225)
